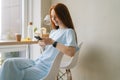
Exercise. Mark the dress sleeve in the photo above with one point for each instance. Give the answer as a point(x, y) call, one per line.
point(70, 38)
point(52, 31)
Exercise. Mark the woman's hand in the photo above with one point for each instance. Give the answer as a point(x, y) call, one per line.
point(68, 50)
point(46, 41)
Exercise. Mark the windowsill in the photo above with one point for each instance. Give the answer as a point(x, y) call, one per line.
point(14, 42)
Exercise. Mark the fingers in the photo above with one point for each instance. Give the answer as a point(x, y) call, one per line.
point(41, 43)
point(47, 41)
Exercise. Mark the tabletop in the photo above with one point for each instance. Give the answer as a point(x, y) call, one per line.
point(14, 42)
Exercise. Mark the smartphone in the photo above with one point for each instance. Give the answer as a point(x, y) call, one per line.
point(38, 37)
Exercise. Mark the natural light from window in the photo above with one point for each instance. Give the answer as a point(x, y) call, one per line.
point(0, 33)
point(0, 18)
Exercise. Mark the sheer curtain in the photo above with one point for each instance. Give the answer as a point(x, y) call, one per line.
point(10, 23)
point(0, 18)
point(11, 18)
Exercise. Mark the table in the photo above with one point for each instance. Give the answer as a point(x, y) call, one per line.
point(13, 45)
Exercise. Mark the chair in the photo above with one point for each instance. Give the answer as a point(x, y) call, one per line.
point(68, 65)
point(52, 75)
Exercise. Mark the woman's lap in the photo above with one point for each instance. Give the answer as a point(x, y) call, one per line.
point(20, 68)
point(22, 63)
point(9, 71)
point(33, 73)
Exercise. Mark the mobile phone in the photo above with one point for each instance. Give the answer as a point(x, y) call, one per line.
point(38, 37)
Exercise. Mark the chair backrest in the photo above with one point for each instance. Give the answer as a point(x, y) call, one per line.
point(55, 68)
point(56, 65)
point(73, 60)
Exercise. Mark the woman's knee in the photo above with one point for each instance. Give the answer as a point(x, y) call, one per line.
point(7, 61)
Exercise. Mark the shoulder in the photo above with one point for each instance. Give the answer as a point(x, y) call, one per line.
point(52, 31)
point(70, 31)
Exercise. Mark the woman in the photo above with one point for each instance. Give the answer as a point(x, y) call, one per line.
point(62, 39)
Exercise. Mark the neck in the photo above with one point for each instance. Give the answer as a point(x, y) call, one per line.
point(62, 26)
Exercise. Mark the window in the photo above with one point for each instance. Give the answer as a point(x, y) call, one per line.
point(11, 18)
point(11, 12)
point(0, 17)
point(14, 16)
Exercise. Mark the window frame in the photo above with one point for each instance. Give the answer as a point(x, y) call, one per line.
point(27, 13)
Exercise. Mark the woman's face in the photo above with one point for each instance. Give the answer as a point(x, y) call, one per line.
point(55, 18)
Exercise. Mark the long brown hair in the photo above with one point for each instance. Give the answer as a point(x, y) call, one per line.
point(63, 14)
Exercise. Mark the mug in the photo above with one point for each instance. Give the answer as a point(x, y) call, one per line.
point(18, 36)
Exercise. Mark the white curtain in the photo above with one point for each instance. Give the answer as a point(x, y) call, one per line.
point(11, 18)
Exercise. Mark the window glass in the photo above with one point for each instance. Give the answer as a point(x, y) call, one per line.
point(11, 18)
point(0, 18)
point(10, 23)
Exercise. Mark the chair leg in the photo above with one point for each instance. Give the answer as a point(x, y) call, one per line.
point(60, 75)
point(57, 77)
point(69, 75)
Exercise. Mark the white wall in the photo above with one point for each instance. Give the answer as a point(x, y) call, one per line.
point(40, 10)
point(45, 5)
point(97, 22)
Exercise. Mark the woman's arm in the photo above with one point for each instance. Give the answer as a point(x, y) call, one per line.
point(68, 50)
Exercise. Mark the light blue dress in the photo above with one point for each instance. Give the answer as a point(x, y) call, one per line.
point(26, 69)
